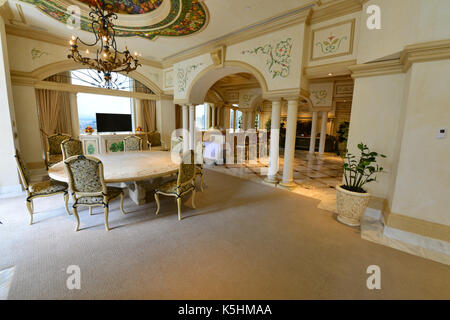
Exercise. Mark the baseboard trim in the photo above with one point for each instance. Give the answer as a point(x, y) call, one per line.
point(417, 226)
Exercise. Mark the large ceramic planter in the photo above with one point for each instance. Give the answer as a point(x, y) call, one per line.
point(351, 206)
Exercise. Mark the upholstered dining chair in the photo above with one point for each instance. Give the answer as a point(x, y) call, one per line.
point(132, 143)
point(87, 186)
point(54, 153)
point(40, 189)
point(71, 147)
point(199, 172)
point(184, 183)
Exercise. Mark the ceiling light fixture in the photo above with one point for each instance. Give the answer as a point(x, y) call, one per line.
point(330, 74)
point(108, 58)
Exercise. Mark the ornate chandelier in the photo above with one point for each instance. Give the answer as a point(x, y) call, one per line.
point(107, 59)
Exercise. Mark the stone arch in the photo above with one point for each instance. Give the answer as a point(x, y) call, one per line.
point(48, 70)
point(200, 85)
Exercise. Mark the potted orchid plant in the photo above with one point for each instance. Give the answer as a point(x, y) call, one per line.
point(352, 198)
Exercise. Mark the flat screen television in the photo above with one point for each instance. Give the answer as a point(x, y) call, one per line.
point(111, 122)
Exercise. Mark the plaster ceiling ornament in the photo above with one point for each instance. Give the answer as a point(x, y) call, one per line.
point(143, 18)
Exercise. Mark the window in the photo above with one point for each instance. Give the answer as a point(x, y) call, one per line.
point(231, 118)
point(90, 104)
point(239, 119)
point(200, 117)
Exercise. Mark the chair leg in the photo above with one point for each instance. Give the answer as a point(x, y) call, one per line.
point(179, 208)
point(90, 211)
point(193, 198)
point(106, 217)
point(30, 210)
point(201, 182)
point(66, 203)
point(121, 203)
point(157, 203)
point(75, 213)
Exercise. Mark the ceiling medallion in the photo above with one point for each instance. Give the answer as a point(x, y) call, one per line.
point(182, 17)
point(108, 58)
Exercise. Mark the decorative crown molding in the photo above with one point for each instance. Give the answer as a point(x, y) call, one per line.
point(421, 52)
point(29, 33)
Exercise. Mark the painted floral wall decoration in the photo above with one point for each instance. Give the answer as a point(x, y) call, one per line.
point(183, 75)
point(319, 96)
point(331, 44)
point(37, 53)
point(278, 57)
point(333, 41)
point(184, 18)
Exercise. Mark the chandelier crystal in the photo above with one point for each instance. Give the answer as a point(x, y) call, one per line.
point(108, 58)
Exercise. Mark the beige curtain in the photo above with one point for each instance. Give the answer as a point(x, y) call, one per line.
point(48, 110)
point(54, 107)
point(149, 115)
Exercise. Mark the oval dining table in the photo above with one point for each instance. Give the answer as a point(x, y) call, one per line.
point(132, 168)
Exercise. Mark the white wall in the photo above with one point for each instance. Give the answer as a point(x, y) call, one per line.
point(375, 119)
point(422, 186)
point(9, 179)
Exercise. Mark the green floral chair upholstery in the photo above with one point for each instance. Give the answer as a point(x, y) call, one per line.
point(199, 172)
point(40, 189)
point(87, 186)
point(71, 147)
point(185, 183)
point(132, 143)
point(54, 154)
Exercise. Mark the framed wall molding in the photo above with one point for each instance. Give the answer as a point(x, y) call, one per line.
point(333, 41)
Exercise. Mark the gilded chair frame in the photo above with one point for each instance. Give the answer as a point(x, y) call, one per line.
point(179, 193)
point(30, 195)
point(125, 140)
point(47, 153)
point(63, 145)
point(199, 172)
point(76, 195)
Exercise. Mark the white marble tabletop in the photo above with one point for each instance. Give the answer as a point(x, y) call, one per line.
point(127, 166)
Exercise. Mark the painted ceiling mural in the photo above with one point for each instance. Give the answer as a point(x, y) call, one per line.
point(130, 6)
point(185, 16)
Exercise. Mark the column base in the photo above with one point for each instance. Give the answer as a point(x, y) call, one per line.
point(311, 156)
point(271, 180)
point(287, 185)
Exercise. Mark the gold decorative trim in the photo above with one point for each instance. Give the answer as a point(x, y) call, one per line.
point(334, 10)
point(322, 71)
point(43, 36)
point(285, 20)
point(377, 68)
point(414, 225)
point(421, 52)
point(36, 165)
point(5, 11)
point(352, 40)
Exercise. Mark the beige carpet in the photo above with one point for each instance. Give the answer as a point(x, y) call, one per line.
point(245, 241)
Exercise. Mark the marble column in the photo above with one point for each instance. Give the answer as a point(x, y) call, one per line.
point(207, 116)
point(185, 127)
point(213, 116)
point(191, 127)
point(251, 120)
point(323, 132)
point(312, 142)
point(274, 142)
point(289, 146)
point(244, 119)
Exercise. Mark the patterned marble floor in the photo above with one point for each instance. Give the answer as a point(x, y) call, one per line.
point(314, 176)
